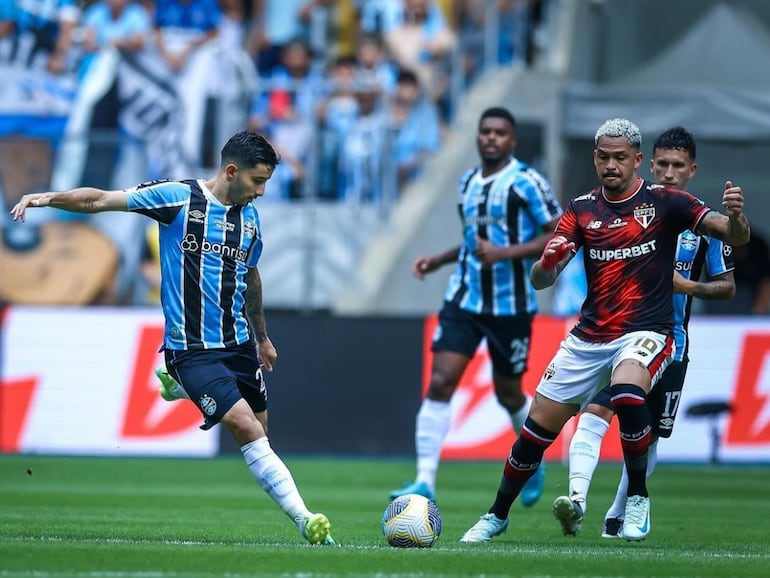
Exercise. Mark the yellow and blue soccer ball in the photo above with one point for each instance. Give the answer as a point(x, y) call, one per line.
point(411, 521)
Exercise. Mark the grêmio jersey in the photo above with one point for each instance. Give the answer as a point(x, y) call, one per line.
point(693, 254)
point(628, 249)
point(506, 208)
point(205, 250)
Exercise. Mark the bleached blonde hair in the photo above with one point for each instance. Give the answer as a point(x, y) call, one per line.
point(616, 127)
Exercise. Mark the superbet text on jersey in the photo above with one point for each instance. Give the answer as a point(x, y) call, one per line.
point(628, 251)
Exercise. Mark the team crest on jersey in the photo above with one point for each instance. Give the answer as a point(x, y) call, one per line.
point(249, 229)
point(644, 214)
point(689, 241)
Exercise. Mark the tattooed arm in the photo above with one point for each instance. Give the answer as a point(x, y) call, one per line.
point(81, 200)
point(256, 316)
point(720, 287)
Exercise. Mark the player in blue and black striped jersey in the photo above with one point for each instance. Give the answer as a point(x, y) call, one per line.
point(508, 212)
point(672, 164)
point(215, 338)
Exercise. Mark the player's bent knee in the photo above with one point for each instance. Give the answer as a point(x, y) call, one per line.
point(243, 423)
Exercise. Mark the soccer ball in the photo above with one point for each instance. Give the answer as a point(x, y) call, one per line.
point(411, 521)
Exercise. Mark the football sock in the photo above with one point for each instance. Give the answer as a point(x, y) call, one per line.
point(618, 507)
point(522, 463)
point(628, 401)
point(433, 421)
point(274, 477)
point(584, 455)
point(520, 415)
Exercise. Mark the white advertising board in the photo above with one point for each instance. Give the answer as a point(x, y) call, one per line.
point(81, 381)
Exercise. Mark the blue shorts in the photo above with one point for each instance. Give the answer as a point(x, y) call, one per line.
point(507, 337)
point(215, 379)
point(662, 401)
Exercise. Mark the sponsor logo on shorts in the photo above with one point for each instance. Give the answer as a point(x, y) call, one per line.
point(208, 404)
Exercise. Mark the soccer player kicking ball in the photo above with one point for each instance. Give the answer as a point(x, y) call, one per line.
point(672, 164)
point(211, 294)
point(628, 229)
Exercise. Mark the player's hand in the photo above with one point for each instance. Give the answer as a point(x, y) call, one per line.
point(487, 252)
point(554, 251)
point(732, 200)
point(421, 266)
point(31, 200)
point(267, 354)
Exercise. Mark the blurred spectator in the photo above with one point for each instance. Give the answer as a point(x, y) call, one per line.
point(124, 24)
point(286, 112)
point(182, 26)
point(365, 148)
point(238, 17)
point(422, 42)
point(295, 85)
point(378, 16)
point(51, 23)
point(472, 23)
point(371, 59)
point(752, 280)
point(336, 114)
point(277, 24)
point(416, 124)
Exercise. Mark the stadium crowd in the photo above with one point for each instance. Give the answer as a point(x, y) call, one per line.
point(354, 93)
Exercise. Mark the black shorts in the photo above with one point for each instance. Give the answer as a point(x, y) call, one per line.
point(507, 337)
point(662, 401)
point(215, 379)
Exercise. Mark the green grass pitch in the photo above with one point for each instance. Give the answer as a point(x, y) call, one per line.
point(64, 517)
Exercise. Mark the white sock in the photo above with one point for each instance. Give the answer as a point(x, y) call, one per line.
point(521, 414)
point(584, 455)
point(433, 421)
point(274, 477)
point(618, 507)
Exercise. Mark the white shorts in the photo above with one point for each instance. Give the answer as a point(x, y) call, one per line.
point(581, 368)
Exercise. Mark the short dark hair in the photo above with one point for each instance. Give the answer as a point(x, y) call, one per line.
point(406, 76)
point(498, 112)
point(676, 138)
point(249, 149)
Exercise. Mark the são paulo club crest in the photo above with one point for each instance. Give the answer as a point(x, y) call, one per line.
point(644, 214)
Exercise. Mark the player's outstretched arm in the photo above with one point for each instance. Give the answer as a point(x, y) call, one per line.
point(81, 200)
point(732, 228)
point(557, 253)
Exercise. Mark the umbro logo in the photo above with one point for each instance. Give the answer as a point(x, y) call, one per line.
point(196, 216)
